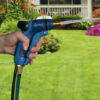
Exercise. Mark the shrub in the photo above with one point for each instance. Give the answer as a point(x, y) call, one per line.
point(65, 18)
point(9, 26)
point(2, 14)
point(33, 14)
point(14, 12)
point(49, 43)
point(82, 25)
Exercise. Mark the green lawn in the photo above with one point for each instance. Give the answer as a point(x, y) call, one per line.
point(72, 73)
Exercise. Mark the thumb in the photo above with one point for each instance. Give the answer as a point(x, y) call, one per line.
point(25, 41)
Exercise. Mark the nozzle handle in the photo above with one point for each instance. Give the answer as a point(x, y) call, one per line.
point(33, 34)
point(21, 56)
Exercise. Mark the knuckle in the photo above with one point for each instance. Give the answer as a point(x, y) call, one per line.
point(27, 40)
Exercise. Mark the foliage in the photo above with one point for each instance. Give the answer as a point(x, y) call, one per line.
point(82, 25)
point(32, 14)
point(63, 18)
point(50, 43)
point(14, 12)
point(9, 26)
point(19, 2)
point(2, 13)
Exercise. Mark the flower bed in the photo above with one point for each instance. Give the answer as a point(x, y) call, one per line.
point(50, 44)
point(94, 31)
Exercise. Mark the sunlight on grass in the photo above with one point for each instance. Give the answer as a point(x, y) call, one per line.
point(72, 73)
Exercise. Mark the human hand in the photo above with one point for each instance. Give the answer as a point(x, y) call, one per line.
point(8, 44)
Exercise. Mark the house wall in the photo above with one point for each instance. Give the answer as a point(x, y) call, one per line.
point(83, 2)
point(93, 5)
point(36, 2)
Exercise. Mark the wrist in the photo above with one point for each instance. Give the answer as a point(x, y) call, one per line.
point(2, 43)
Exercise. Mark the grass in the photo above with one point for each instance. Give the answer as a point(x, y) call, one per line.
point(72, 73)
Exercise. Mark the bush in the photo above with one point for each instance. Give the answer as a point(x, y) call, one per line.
point(2, 14)
point(33, 14)
point(14, 12)
point(9, 26)
point(2, 17)
point(82, 25)
point(66, 18)
point(49, 44)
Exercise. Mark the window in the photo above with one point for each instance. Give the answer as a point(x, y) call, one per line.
point(97, 3)
point(43, 1)
point(76, 1)
point(60, 1)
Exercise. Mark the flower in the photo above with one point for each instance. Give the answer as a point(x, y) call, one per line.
point(53, 42)
point(63, 26)
point(55, 46)
point(2, 10)
point(73, 25)
point(52, 35)
point(41, 13)
point(23, 8)
point(46, 41)
point(33, 5)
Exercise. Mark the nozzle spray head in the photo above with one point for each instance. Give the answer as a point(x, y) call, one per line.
point(56, 23)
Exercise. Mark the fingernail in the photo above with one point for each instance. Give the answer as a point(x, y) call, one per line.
point(25, 48)
point(32, 50)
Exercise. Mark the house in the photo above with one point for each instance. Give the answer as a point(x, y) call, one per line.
point(83, 8)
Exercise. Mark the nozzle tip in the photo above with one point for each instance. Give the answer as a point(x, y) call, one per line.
point(56, 24)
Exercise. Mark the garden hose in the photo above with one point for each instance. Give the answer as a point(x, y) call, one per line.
point(16, 82)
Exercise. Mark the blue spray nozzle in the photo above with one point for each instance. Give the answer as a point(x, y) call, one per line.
point(33, 30)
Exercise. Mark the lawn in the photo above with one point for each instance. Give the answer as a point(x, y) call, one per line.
point(72, 73)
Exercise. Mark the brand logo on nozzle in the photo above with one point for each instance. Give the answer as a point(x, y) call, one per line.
point(38, 25)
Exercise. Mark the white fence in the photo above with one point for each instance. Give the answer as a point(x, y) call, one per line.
point(63, 10)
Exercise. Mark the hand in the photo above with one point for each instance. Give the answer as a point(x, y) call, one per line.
point(8, 44)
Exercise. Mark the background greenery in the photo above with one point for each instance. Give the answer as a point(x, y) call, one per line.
point(72, 73)
point(26, 12)
point(82, 25)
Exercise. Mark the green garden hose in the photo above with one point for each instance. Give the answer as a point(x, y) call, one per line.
point(16, 82)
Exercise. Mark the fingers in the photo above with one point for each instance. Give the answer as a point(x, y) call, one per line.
point(23, 39)
point(34, 51)
point(37, 47)
point(31, 62)
point(39, 43)
point(33, 55)
point(25, 43)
